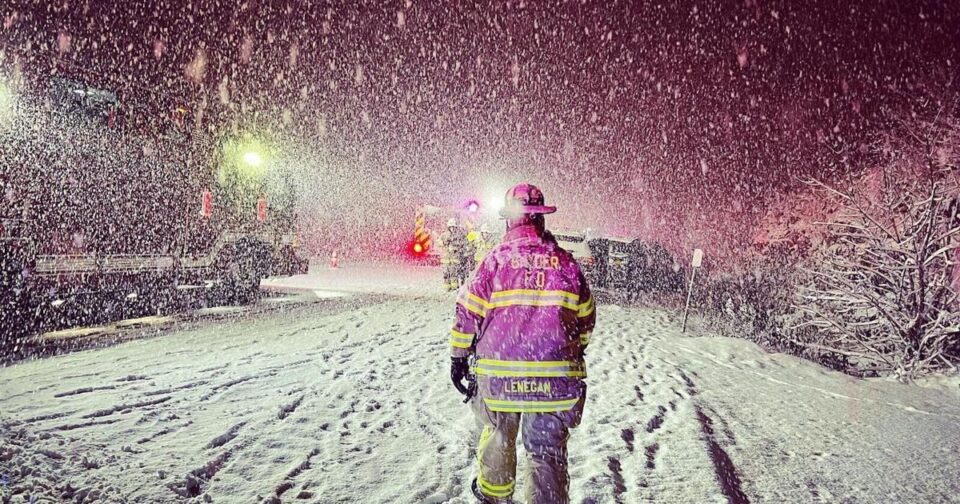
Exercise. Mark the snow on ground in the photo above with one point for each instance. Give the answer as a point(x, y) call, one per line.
point(378, 278)
point(348, 400)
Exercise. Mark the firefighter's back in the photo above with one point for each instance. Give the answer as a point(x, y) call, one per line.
point(533, 304)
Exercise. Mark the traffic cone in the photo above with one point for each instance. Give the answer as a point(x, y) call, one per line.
point(334, 261)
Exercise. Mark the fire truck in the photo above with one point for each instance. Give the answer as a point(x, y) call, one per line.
point(431, 222)
point(99, 213)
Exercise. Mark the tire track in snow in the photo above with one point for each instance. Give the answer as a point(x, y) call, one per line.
point(904, 407)
point(290, 481)
point(347, 402)
point(725, 470)
point(649, 405)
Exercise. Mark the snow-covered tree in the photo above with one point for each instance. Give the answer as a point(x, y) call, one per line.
point(881, 292)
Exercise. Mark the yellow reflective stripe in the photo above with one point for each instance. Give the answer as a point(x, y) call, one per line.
point(585, 309)
point(459, 339)
point(533, 364)
point(530, 374)
point(507, 406)
point(535, 293)
point(474, 309)
point(474, 303)
point(504, 402)
point(474, 306)
point(455, 334)
point(477, 299)
point(529, 297)
point(512, 409)
point(531, 369)
point(494, 490)
point(533, 302)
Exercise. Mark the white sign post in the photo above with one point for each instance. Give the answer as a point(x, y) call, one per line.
point(697, 262)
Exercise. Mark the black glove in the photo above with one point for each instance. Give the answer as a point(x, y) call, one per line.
point(460, 371)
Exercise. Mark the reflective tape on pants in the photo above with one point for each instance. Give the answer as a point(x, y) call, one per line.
point(508, 406)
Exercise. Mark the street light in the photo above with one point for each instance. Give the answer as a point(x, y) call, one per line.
point(248, 158)
point(252, 158)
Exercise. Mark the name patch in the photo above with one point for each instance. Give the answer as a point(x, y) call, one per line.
point(528, 387)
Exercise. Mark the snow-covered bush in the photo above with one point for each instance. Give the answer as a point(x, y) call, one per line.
point(653, 269)
point(881, 292)
point(751, 302)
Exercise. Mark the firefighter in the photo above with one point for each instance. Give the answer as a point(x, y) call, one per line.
point(482, 243)
point(478, 244)
point(468, 259)
point(452, 244)
point(525, 318)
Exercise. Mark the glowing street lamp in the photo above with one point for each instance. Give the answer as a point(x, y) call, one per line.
point(252, 158)
point(246, 158)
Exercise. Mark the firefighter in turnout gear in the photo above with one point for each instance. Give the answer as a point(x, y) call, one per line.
point(482, 242)
point(453, 243)
point(524, 318)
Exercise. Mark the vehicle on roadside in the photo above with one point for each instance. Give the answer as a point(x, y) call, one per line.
point(622, 260)
point(576, 243)
point(101, 212)
point(631, 265)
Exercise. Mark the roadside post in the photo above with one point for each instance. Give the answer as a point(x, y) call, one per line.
point(697, 262)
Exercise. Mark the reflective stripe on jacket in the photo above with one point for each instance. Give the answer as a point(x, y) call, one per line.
point(527, 314)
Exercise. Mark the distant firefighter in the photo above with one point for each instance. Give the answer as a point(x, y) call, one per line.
point(477, 247)
point(453, 243)
point(482, 241)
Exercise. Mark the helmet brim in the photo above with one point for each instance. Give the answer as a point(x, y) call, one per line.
point(526, 210)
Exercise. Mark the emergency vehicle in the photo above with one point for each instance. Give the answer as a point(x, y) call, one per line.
point(431, 222)
point(612, 263)
point(98, 212)
point(578, 244)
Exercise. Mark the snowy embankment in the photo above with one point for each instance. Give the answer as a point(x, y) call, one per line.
point(378, 278)
point(348, 400)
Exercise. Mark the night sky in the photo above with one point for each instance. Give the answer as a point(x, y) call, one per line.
point(674, 121)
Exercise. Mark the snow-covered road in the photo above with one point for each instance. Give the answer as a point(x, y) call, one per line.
point(348, 400)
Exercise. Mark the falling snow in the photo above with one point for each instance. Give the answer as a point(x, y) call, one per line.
point(219, 178)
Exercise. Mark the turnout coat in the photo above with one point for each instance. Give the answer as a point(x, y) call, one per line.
point(526, 315)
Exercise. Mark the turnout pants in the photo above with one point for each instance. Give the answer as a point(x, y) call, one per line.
point(467, 265)
point(451, 275)
point(545, 441)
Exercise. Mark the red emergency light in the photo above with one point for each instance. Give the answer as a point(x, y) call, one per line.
point(418, 249)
